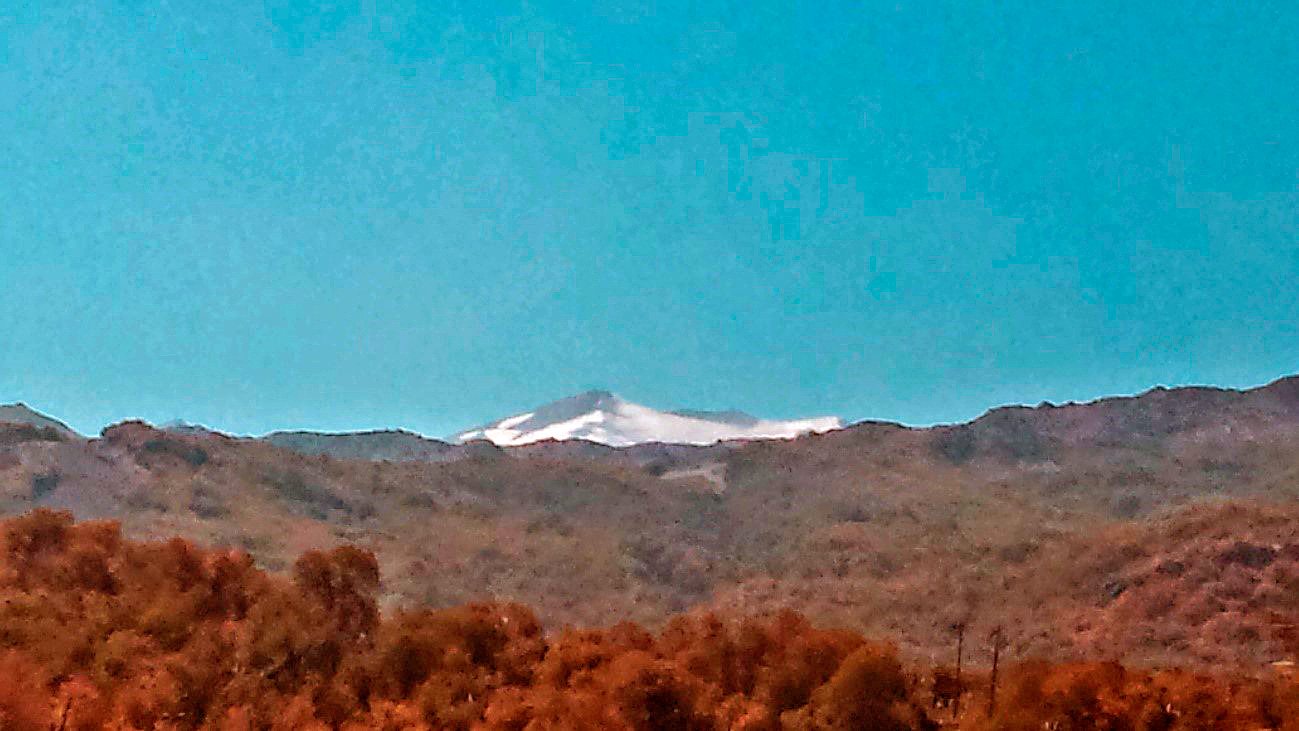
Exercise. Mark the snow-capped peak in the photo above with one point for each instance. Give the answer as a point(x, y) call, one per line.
point(604, 417)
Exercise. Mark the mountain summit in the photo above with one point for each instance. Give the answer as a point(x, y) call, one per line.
point(606, 418)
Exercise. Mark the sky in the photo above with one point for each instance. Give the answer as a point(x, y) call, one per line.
point(346, 214)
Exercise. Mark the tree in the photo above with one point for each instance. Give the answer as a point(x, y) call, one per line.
point(998, 640)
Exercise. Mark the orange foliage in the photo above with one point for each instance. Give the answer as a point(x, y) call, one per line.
point(24, 706)
point(98, 632)
point(1107, 696)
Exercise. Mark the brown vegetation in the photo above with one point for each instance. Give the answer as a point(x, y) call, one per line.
point(97, 632)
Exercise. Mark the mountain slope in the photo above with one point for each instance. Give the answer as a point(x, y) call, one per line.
point(21, 413)
point(1157, 419)
point(603, 417)
point(395, 445)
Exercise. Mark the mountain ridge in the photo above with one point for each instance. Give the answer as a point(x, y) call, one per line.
point(21, 413)
point(1008, 431)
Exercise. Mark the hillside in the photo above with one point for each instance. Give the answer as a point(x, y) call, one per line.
point(1054, 521)
point(101, 633)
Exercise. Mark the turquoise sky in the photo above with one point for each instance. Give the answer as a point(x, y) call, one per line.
point(367, 213)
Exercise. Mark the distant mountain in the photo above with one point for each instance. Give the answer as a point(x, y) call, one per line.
point(606, 418)
point(21, 413)
point(393, 445)
point(1154, 419)
point(180, 426)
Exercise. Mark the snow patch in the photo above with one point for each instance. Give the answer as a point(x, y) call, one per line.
point(599, 416)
